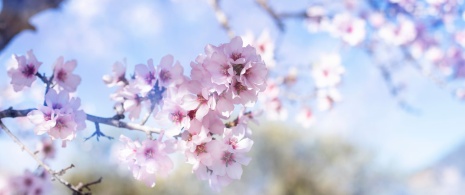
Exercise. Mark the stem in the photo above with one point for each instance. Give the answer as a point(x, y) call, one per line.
point(112, 121)
point(42, 164)
point(221, 17)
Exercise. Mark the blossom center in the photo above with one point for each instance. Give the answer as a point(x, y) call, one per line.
point(149, 153)
point(62, 75)
point(29, 70)
point(201, 149)
point(228, 158)
point(177, 116)
point(165, 75)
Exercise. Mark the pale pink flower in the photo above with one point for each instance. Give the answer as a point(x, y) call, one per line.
point(200, 101)
point(25, 72)
point(305, 117)
point(229, 163)
point(132, 101)
point(169, 74)
point(30, 184)
point(264, 45)
point(225, 104)
point(63, 75)
point(349, 28)
point(145, 76)
point(60, 118)
point(149, 159)
point(118, 76)
point(327, 73)
point(327, 97)
point(402, 33)
point(46, 148)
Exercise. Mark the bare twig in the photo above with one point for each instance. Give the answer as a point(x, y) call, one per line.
point(63, 171)
point(112, 121)
point(277, 20)
point(221, 17)
point(87, 185)
point(23, 147)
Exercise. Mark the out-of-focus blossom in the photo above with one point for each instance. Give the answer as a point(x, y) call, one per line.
point(149, 159)
point(264, 45)
point(46, 148)
point(349, 28)
point(400, 34)
point(305, 117)
point(327, 73)
point(30, 184)
point(327, 97)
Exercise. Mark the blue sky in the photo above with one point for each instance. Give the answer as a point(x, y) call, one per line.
point(98, 33)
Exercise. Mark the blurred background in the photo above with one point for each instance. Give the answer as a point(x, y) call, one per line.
point(372, 141)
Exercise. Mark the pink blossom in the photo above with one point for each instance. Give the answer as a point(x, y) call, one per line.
point(199, 100)
point(400, 34)
point(168, 74)
point(132, 101)
point(264, 45)
point(327, 97)
point(305, 117)
point(328, 72)
point(60, 118)
point(25, 73)
point(145, 76)
point(46, 148)
point(62, 72)
point(349, 28)
point(149, 159)
point(30, 184)
point(118, 76)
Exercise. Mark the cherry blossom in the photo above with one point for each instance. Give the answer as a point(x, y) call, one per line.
point(60, 118)
point(169, 74)
point(30, 184)
point(327, 97)
point(118, 76)
point(63, 75)
point(351, 29)
point(305, 117)
point(149, 159)
point(25, 72)
point(328, 72)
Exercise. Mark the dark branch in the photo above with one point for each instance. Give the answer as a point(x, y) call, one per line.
point(15, 16)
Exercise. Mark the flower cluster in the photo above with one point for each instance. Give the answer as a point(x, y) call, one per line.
point(149, 159)
point(30, 183)
point(60, 116)
point(195, 109)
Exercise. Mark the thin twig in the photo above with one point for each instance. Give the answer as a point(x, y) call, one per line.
point(11, 113)
point(42, 164)
point(87, 185)
point(221, 17)
point(276, 18)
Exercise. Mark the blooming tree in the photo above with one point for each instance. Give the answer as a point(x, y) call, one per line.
point(195, 113)
point(204, 114)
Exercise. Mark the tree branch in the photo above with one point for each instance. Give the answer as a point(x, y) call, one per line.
point(23, 147)
point(15, 16)
point(112, 121)
point(221, 17)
